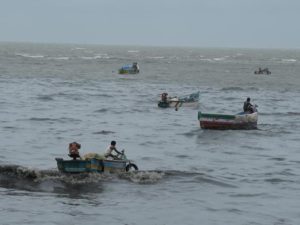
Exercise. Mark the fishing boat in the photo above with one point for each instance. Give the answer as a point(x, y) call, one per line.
point(228, 122)
point(97, 165)
point(191, 100)
point(130, 69)
point(265, 71)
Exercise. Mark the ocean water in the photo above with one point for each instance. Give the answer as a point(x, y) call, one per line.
point(53, 94)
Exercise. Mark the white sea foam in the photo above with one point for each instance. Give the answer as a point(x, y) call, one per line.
point(98, 56)
point(289, 60)
point(133, 51)
point(206, 59)
point(29, 56)
point(60, 58)
point(221, 58)
point(156, 57)
point(78, 48)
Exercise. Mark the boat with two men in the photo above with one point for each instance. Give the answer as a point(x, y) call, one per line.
point(191, 100)
point(97, 163)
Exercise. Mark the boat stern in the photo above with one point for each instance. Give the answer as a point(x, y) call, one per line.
point(73, 166)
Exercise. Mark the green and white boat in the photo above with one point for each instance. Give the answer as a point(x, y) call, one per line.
point(227, 121)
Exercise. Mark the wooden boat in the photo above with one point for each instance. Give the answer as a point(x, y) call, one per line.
point(95, 165)
point(130, 69)
point(191, 100)
point(227, 122)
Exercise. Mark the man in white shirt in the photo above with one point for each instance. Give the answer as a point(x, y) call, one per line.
point(111, 149)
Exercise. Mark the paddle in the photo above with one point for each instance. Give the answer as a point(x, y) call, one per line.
point(177, 105)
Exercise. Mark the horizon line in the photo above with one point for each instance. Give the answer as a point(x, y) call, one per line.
point(147, 46)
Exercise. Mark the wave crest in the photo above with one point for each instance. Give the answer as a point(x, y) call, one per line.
point(143, 177)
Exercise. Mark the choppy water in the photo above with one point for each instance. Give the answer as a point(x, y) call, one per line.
point(54, 94)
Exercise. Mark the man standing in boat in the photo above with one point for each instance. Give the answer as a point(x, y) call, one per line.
point(111, 149)
point(248, 107)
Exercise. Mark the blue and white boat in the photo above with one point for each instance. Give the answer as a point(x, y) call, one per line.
point(130, 69)
point(97, 165)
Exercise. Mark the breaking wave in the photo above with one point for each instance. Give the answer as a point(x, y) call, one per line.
point(26, 55)
point(289, 60)
point(30, 179)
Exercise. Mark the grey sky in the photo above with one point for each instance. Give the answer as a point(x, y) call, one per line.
point(203, 23)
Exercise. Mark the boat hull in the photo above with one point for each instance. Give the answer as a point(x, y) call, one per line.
point(92, 165)
point(228, 122)
point(177, 104)
point(185, 104)
point(122, 71)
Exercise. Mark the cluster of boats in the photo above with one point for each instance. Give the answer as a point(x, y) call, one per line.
point(134, 69)
point(100, 164)
point(241, 120)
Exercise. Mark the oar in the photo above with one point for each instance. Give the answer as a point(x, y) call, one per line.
point(177, 105)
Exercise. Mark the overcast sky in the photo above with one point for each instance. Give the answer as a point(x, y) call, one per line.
point(201, 23)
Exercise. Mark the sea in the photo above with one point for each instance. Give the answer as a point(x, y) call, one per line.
point(54, 94)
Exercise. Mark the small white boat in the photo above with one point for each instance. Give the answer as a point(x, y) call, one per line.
point(191, 100)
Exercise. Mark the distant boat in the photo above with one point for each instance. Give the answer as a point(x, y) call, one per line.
point(262, 71)
point(130, 69)
point(191, 100)
point(238, 121)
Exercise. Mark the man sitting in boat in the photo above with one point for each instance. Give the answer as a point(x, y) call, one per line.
point(248, 107)
point(164, 97)
point(109, 152)
point(135, 66)
point(74, 150)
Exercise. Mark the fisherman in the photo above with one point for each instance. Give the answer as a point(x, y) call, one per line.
point(135, 66)
point(74, 150)
point(111, 149)
point(164, 97)
point(248, 107)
